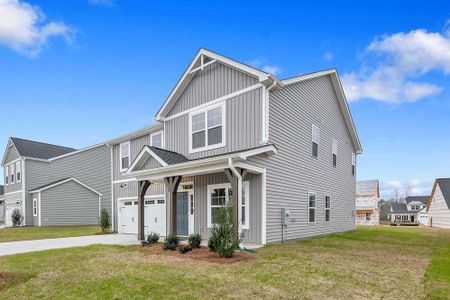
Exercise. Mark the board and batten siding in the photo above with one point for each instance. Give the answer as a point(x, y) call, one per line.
point(243, 127)
point(81, 203)
point(214, 81)
point(92, 167)
point(294, 172)
point(439, 212)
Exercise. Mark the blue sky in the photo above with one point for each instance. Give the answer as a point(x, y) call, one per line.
point(80, 72)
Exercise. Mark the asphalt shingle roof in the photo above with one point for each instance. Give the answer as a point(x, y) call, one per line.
point(169, 157)
point(423, 199)
point(444, 186)
point(41, 150)
point(400, 208)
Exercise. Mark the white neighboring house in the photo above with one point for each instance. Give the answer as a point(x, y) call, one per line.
point(367, 198)
point(412, 211)
point(439, 204)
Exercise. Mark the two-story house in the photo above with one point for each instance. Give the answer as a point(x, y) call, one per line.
point(438, 207)
point(409, 211)
point(367, 198)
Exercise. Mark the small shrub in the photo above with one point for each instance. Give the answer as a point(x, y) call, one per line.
point(169, 246)
point(16, 218)
point(222, 238)
point(105, 221)
point(195, 240)
point(185, 249)
point(153, 238)
point(171, 242)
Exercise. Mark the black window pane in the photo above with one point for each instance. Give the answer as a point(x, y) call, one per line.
point(327, 215)
point(215, 136)
point(315, 149)
point(312, 215)
point(198, 140)
point(243, 214)
point(334, 160)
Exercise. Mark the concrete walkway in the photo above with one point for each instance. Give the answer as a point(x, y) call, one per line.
point(9, 248)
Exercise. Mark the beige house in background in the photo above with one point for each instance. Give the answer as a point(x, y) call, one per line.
point(367, 198)
point(439, 204)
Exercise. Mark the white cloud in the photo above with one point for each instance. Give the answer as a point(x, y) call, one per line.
point(22, 27)
point(259, 63)
point(102, 2)
point(393, 65)
point(271, 69)
point(413, 187)
point(328, 56)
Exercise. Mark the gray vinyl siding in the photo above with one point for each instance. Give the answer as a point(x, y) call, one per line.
point(243, 128)
point(81, 203)
point(35, 219)
point(213, 82)
point(11, 156)
point(151, 163)
point(201, 182)
point(293, 172)
point(92, 167)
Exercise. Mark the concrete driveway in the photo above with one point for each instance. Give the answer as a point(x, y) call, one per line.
point(9, 248)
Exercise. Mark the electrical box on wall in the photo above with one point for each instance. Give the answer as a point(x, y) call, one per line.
point(285, 215)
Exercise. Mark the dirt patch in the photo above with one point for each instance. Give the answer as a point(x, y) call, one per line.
point(9, 279)
point(202, 254)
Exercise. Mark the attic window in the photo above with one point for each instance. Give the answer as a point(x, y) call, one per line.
point(207, 128)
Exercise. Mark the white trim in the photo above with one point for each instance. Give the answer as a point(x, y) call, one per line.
point(39, 209)
point(11, 193)
point(35, 207)
point(12, 171)
point(141, 155)
point(263, 208)
point(162, 138)
point(246, 189)
point(23, 194)
point(153, 154)
point(327, 209)
point(314, 207)
point(124, 180)
point(127, 144)
point(205, 111)
point(215, 101)
point(112, 186)
point(64, 181)
point(19, 169)
point(202, 65)
point(135, 134)
point(307, 76)
point(146, 196)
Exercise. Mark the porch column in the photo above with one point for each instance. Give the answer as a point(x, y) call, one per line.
point(172, 184)
point(143, 186)
point(234, 181)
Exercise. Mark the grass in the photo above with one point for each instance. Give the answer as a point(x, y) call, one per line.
point(35, 233)
point(370, 263)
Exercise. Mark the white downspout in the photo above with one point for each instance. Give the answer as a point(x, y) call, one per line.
point(239, 193)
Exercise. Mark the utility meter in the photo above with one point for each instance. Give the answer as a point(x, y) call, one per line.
point(285, 215)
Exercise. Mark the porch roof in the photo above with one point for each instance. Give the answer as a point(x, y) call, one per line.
point(181, 166)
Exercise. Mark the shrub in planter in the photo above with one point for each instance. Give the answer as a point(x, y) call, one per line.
point(194, 240)
point(105, 221)
point(185, 249)
point(222, 238)
point(171, 242)
point(153, 238)
point(211, 244)
point(16, 218)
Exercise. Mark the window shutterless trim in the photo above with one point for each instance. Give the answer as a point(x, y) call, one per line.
point(156, 133)
point(18, 170)
point(315, 139)
point(334, 152)
point(35, 207)
point(312, 207)
point(327, 208)
point(120, 155)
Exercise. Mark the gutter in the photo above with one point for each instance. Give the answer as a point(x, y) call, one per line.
point(239, 177)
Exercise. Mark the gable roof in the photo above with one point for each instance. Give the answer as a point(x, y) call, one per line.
point(169, 157)
point(368, 188)
point(423, 199)
point(341, 98)
point(203, 58)
point(444, 186)
point(401, 208)
point(163, 157)
point(61, 181)
point(34, 149)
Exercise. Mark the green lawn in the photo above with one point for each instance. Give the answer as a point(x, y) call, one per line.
point(36, 233)
point(370, 263)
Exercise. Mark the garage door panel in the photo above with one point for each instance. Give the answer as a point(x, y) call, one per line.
point(155, 216)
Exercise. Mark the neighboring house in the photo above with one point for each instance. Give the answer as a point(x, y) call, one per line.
point(55, 185)
point(408, 212)
point(367, 198)
point(439, 204)
point(230, 133)
point(2, 204)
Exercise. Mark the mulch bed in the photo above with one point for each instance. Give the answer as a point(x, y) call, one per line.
point(9, 279)
point(201, 254)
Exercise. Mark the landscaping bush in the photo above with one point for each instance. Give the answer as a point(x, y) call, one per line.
point(222, 238)
point(171, 242)
point(16, 218)
point(105, 221)
point(184, 249)
point(153, 238)
point(195, 240)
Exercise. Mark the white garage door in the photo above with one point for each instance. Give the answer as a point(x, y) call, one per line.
point(155, 216)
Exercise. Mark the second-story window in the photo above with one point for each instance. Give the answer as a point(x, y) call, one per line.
point(353, 164)
point(11, 172)
point(334, 151)
point(156, 139)
point(18, 171)
point(207, 128)
point(124, 156)
point(6, 174)
point(315, 141)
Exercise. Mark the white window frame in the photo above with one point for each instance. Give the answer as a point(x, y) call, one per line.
point(120, 155)
point(156, 133)
point(6, 175)
point(12, 175)
point(353, 164)
point(312, 207)
point(327, 208)
point(35, 207)
point(334, 151)
point(205, 111)
point(18, 170)
point(315, 139)
point(227, 187)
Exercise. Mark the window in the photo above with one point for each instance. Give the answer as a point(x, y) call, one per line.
point(161, 201)
point(124, 156)
point(18, 171)
point(11, 172)
point(136, 202)
point(6, 175)
point(353, 164)
point(327, 208)
point(156, 139)
point(147, 202)
point(315, 141)
point(207, 129)
point(311, 208)
point(367, 216)
point(35, 209)
point(405, 218)
point(127, 203)
point(220, 195)
point(334, 151)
